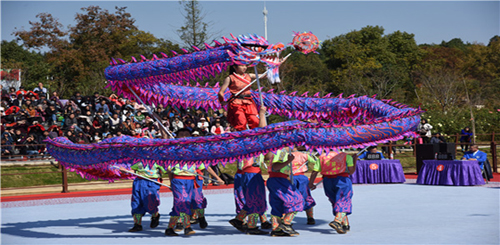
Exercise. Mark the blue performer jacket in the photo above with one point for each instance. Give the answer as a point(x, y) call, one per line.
point(478, 155)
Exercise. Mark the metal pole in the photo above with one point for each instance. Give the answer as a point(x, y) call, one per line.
point(265, 21)
point(150, 112)
point(64, 179)
point(152, 180)
point(258, 85)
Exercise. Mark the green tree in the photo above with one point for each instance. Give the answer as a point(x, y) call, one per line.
point(80, 55)
point(195, 30)
point(367, 62)
point(304, 73)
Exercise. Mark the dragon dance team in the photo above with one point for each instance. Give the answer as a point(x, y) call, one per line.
point(288, 186)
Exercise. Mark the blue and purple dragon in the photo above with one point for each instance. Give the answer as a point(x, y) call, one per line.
point(343, 122)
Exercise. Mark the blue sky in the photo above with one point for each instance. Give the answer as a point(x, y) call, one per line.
point(430, 21)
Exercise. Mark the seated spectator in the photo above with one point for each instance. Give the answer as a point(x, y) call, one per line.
point(177, 124)
point(21, 91)
point(54, 132)
point(139, 117)
point(40, 90)
point(373, 150)
point(128, 107)
point(138, 129)
point(70, 121)
point(86, 119)
point(203, 125)
point(191, 126)
point(437, 138)
point(105, 109)
point(70, 136)
point(86, 108)
point(106, 133)
point(127, 126)
point(96, 137)
point(89, 131)
point(217, 128)
point(6, 149)
point(476, 154)
point(31, 146)
point(60, 118)
point(81, 138)
point(115, 123)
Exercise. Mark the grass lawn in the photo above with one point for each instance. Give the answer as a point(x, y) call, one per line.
point(35, 176)
point(49, 175)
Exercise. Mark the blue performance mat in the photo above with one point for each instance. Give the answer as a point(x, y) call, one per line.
point(382, 214)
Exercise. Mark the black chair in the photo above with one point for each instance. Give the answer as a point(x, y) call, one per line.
point(487, 172)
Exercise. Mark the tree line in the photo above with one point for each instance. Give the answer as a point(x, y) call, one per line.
point(451, 80)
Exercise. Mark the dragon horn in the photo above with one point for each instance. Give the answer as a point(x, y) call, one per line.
point(208, 46)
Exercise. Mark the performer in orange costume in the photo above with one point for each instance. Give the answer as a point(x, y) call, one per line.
point(241, 110)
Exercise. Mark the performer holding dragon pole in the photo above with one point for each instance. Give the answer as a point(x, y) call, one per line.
point(301, 182)
point(284, 198)
point(250, 194)
point(184, 185)
point(241, 110)
point(336, 168)
point(145, 194)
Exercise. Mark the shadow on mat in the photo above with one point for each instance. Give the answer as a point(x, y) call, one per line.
point(113, 226)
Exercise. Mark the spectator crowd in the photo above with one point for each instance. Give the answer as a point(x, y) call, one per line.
point(30, 116)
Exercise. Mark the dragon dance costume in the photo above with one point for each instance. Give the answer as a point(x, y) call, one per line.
point(241, 109)
point(146, 194)
point(187, 197)
point(301, 182)
point(284, 198)
point(337, 186)
point(250, 196)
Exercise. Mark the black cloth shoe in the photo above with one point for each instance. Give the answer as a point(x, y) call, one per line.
point(346, 227)
point(279, 232)
point(289, 229)
point(136, 228)
point(238, 224)
point(193, 221)
point(203, 222)
point(337, 226)
point(155, 221)
point(256, 231)
point(170, 232)
point(311, 221)
point(266, 225)
point(188, 231)
point(179, 227)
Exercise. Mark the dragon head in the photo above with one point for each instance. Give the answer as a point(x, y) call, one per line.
point(252, 49)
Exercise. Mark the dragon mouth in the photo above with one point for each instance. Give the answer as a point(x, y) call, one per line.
point(272, 59)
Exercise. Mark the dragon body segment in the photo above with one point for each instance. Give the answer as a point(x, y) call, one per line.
point(229, 147)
